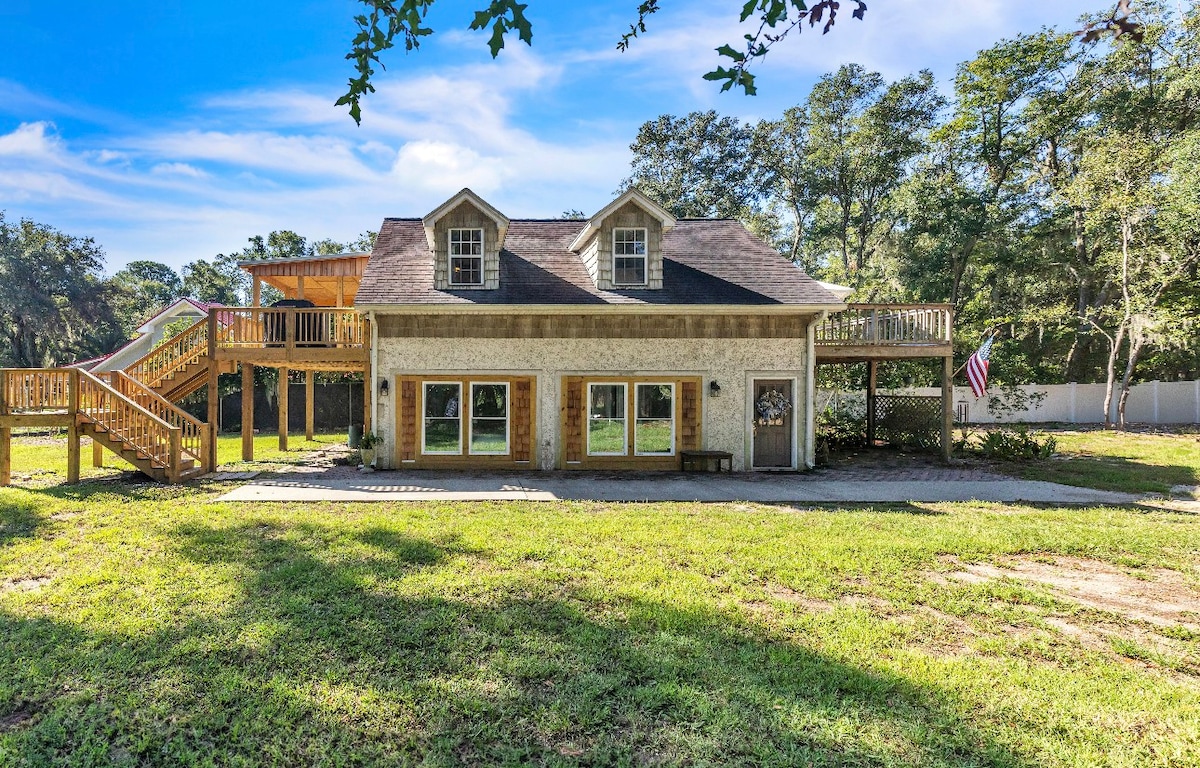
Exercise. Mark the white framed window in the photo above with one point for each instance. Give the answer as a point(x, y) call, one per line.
point(607, 431)
point(629, 256)
point(466, 256)
point(489, 419)
point(654, 420)
point(441, 427)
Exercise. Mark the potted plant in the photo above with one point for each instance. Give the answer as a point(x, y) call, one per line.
point(367, 448)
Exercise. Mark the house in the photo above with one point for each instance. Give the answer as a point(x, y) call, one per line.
point(616, 343)
point(149, 334)
point(612, 343)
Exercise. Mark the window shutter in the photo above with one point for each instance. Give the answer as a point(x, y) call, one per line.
point(689, 404)
point(573, 419)
point(520, 413)
point(408, 420)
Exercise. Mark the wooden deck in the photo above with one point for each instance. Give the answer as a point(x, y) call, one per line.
point(318, 339)
point(886, 332)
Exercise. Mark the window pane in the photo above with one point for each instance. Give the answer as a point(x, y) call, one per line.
point(606, 419)
point(442, 436)
point(489, 436)
point(606, 436)
point(607, 401)
point(466, 270)
point(629, 270)
point(489, 400)
point(441, 400)
point(652, 436)
point(654, 426)
point(654, 401)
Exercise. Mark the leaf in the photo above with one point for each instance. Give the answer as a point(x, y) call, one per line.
point(496, 42)
point(730, 52)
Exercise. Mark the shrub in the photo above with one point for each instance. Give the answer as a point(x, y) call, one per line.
point(1016, 444)
point(842, 424)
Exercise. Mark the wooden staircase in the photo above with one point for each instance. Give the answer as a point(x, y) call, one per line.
point(124, 415)
point(177, 367)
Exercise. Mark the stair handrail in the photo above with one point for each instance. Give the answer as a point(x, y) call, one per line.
point(154, 437)
point(177, 352)
point(194, 433)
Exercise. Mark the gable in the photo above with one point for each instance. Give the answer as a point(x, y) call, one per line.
point(633, 215)
point(461, 216)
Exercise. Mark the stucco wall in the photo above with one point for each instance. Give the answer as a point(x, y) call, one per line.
point(730, 362)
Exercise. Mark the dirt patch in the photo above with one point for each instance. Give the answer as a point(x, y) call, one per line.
point(789, 595)
point(1158, 596)
point(24, 584)
point(15, 720)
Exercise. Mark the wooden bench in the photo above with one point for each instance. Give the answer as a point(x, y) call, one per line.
point(690, 461)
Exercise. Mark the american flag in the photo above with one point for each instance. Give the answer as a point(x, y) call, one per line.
point(977, 368)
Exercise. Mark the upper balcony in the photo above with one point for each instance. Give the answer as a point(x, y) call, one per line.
point(329, 338)
point(886, 332)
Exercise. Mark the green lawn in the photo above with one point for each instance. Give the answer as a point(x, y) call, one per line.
point(150, 626)
point(42, 460)
point(1120, 461)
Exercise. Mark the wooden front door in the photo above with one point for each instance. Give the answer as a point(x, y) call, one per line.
point(773, 432)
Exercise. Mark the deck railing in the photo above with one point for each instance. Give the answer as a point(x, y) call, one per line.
point(888, 324)
point(33, 390)
point(256, 327)
point(194, 434)
point(172, 355)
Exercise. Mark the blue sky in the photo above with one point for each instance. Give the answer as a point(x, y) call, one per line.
point(173, 131)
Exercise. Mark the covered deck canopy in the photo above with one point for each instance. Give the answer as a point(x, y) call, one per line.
point(326, 281)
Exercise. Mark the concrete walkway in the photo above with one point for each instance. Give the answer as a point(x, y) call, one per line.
point(667, 486)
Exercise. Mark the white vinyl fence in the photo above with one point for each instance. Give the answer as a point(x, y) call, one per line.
point(1153, 402)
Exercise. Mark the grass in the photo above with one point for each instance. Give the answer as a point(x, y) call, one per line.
point(152, 626)
point(42, 460)
point(1120, 461)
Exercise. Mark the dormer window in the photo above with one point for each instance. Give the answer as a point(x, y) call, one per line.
point(629, 256)
point(466, 257)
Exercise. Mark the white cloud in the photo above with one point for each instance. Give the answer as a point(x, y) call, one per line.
point(30, 140)
point(178, 169)
point(250, 162)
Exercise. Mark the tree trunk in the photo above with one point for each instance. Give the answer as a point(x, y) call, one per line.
point(1110, 380)
point(1135, 351)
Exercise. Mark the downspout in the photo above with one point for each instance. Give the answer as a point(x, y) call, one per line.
point(374, 389)
point(810, 414)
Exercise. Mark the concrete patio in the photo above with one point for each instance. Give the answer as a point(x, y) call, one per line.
point(343, 485)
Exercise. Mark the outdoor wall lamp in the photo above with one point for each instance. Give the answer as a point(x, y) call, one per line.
point(714, 389)
point(383, 387)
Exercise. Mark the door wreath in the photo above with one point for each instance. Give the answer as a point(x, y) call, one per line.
point(772, 407)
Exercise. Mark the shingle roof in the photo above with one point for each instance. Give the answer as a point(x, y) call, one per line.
point(705, 261)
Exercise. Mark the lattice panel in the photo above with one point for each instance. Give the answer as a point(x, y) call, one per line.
point(909, 420)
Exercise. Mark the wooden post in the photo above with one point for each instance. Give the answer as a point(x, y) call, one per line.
point(174, 454)
point(282, 397)
point(214, 393)
point(872, 375)
point(341, 291)
point(5, 433)
point(289, 332)
point(247, 412)
point(300, 287)
point(310, 390)
point(73, 429)
point(97, 453)
point(947, 406)
point(256, 295)
point(5, 454)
